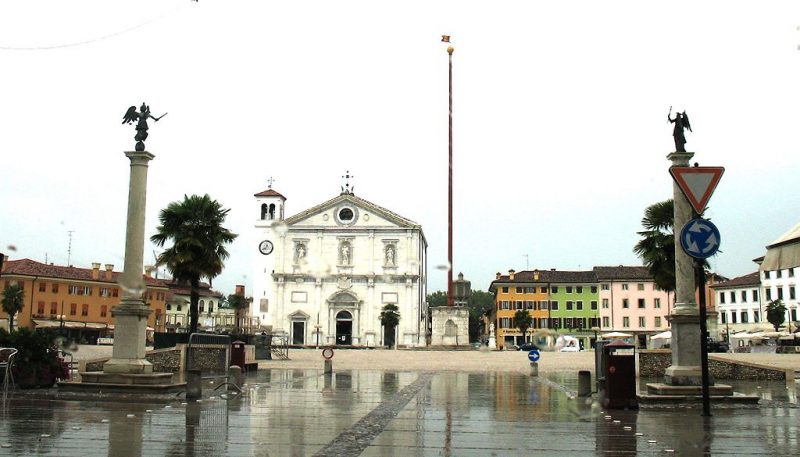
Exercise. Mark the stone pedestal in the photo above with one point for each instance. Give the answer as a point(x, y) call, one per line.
point(130, 316)
point(685, 317)
point(492, 342)
point(450, 326)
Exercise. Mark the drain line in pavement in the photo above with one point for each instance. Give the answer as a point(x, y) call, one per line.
point(354, 440)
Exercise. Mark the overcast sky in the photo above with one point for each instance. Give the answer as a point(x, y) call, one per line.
point(560, 129)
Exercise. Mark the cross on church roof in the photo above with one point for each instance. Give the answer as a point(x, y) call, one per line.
point(269, 182)
point(347, 189)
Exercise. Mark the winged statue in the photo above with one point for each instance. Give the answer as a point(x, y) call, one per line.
point(681, 122)
point(140, 117)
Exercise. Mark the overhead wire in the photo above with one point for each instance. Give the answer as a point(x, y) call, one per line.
point(95, 39)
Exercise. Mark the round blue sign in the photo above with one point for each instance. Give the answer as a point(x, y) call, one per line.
point(533, 356)
point(700, 238)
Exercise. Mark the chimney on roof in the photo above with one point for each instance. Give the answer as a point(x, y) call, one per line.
point(239, 290)
point(535, 275)
point(552, 269)
point(497, 275)
point(148, 270)
point(511, 274)
point(95, 270)
point(109, 271)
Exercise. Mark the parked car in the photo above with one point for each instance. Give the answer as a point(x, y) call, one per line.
point(527, 347)
point(717, 346)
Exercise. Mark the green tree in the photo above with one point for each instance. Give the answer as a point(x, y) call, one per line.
point(238, 303)
point(198, 243)
point(437, 298)
point(523, 320)
point(657, 246)
point(390, 317)
point(480, 304)
point(776, 313)
point(13, 302)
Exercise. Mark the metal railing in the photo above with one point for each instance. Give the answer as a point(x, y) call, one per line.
point(280, 347)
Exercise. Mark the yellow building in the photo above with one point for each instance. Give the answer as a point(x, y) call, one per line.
point(518, 291)
point(77, 299)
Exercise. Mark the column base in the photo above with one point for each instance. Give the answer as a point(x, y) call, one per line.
point(128, 366)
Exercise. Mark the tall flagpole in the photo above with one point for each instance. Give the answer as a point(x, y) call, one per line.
point(450, 300)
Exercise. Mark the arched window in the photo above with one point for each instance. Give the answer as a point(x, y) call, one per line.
point(272, 211)
point(450, 328)
point(344, 316)
point(202, 306)
point(263, 211)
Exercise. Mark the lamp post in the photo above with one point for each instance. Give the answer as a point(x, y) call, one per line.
point(595, 330)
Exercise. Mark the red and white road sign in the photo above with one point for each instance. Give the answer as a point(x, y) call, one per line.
point(697, 183)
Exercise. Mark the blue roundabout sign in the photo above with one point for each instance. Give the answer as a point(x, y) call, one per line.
point(533, 356)
point(700, 238)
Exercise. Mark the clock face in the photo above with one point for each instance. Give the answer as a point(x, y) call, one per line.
point(265, 247)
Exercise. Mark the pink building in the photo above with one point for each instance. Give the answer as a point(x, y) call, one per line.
point(630, 302)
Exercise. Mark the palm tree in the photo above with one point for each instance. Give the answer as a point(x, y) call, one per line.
point(776, 313)
point(390, 317)
point(13, 302)
point(523, 320)
point(238, 303)
point(198, 243)
point(657, 246)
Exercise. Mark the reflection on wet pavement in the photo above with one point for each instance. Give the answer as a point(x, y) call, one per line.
point(302, 412)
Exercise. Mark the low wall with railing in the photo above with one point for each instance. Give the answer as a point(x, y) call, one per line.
point(653, 363)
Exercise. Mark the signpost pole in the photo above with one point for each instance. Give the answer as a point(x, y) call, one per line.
point(701, 278)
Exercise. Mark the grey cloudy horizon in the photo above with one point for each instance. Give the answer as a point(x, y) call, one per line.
point(560, 130)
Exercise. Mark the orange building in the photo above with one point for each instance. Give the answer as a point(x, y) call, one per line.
point(78, 299)
point(511, 296)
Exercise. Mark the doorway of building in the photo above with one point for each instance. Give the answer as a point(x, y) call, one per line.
point(298, 332)
point(344, 328)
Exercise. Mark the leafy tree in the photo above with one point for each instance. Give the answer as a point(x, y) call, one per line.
point(523, 320)
point(480, 304)
point(776, 313)
point(437, 298)
point(390, 317)
point(238, 303)
point(195, 227)
point(13, 302)
point(657, 246)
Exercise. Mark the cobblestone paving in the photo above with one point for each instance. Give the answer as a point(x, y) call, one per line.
point(394, 413)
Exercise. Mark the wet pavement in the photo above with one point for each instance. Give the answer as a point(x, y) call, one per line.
point(388, 413)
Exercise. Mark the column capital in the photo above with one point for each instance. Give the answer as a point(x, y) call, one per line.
point(680, 159)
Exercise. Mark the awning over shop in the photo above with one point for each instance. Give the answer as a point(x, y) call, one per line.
point(47, 323)
point(784, 252)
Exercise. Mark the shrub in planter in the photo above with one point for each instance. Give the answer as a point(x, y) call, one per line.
point(36, 363)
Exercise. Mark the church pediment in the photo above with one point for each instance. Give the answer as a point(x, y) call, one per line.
point(347, 210)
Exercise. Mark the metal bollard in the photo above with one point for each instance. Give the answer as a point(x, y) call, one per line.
point(534, 368)
point(234, 376)
point(584, 383)
point(194, 384)
point(328, 367)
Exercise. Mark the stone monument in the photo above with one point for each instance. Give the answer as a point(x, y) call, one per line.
point(450, 324)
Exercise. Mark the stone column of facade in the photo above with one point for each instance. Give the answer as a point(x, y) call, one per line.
point(130, 316)
point(685, 318)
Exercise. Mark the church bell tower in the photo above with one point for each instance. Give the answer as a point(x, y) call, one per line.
point(269, 209)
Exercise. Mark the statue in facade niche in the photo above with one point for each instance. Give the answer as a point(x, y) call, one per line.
point(300, 253)
point(390, 256)
point(141, 123)
point(345, 254)
point(681, 122)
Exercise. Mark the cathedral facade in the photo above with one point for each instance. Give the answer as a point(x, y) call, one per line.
point(324, 275)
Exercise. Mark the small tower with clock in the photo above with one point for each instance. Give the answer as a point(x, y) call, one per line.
point(269, 222)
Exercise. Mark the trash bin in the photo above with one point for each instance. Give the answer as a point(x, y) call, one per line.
point(237, 354)
point(620, 371)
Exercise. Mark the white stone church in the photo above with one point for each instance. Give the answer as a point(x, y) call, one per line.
point(323, 275)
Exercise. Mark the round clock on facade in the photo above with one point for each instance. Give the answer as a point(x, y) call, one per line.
point(265, 247)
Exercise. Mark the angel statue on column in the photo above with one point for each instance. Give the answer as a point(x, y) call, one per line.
point(681, 122)
point(141, 126)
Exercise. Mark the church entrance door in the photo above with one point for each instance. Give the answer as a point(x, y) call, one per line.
point(344, 328)
point(298, 332)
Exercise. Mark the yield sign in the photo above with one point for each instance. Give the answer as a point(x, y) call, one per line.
point(697, 183)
